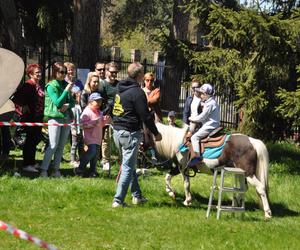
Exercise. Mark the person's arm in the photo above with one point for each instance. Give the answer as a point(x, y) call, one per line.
point(202, 117)
point(83, 99)
point(23, 95)
point(186, 111)
point(86, 122)
point(56, 99)
point(154, 96)
point(144, 113)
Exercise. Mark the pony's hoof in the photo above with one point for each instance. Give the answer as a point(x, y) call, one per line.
point(187, 203)
point(172, 195)
point(268, 215)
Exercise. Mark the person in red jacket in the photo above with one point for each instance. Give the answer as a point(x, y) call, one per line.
point(30, 101)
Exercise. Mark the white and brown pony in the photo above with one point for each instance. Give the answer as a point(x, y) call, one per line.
point(240, 151)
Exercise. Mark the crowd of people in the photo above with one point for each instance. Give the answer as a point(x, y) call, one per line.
point(103, 106)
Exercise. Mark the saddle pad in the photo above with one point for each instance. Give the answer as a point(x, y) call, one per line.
point(214, 152)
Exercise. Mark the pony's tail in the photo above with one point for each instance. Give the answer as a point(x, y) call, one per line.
point(262, 165)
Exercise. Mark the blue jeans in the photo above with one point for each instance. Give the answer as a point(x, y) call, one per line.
point(58, 137)
point(90, 156)
point(128, 144)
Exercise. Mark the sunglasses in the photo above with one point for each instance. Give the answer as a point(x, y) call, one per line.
point(101, 69)
point(149, 80)
point(114, 72)
point(63, 72)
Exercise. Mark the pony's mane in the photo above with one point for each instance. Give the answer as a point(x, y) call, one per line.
point(172, 137)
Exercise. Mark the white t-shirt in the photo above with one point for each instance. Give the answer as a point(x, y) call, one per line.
point(194, 106)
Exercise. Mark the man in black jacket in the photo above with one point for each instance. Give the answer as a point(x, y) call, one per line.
point(129, 112)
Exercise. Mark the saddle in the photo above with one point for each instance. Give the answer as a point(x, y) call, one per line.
point(216, 138)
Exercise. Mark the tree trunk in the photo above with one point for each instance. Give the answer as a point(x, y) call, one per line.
point(86, 32)
point(173, 74)
point(13, 27)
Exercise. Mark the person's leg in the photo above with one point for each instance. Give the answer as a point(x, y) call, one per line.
point(94, 158)
point(105, 148)
point(73, 146)
point(129, 143)
point(29, 146)
point(6, 140)
point(196, 138)
point(87, 157)
point(54, 135)
point(80, 145)
point(64, 134)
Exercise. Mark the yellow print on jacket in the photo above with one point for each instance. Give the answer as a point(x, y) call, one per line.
point(118, 109)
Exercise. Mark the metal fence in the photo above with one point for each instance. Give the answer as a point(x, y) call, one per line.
point(229, 114)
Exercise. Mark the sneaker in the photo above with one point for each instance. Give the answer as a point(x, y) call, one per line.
point(78, 172)
point(56, 174)
point(139, 171)
point(44, 173)
point(106, 166)
point(194, 161)
point(30, 168)
point(75, 164)
point(94, 175)
point(138, 201)
point(37, 166)
point(118, 204)
point(154, 160)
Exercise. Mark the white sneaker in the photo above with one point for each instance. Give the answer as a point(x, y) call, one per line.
point(139, 171)
point(137, 201)
point(75, 164)
point(106, 166)
point(30, 168)
point(117, 204)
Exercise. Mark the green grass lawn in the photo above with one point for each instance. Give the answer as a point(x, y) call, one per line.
point(75, 213)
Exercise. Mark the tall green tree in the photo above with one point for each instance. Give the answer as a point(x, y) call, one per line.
point(254, 54)
point(12, 30)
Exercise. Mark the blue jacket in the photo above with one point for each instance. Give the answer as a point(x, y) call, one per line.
point(187, 109)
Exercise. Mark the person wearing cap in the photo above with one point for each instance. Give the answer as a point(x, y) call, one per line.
point(192, 106)
point(92, 121)
point(209, 117)
point(129, 113)
point(171, 119)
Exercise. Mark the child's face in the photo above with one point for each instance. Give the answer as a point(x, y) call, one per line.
point(96, 104)
point(204, 96)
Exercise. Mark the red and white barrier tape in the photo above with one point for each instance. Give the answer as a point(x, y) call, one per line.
point(25, 236)
point(31, 124)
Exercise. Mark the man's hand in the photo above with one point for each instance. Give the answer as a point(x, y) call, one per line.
point(158, 137)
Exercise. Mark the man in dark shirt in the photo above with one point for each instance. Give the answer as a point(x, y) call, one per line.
point(129, 112)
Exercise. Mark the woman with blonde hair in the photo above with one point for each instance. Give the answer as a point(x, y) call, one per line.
point(153, 96)
point(91, 86)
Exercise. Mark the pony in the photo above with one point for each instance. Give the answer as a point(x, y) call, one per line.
point(240, 151)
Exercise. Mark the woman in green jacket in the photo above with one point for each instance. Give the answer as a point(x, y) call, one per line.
point(58, 105)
